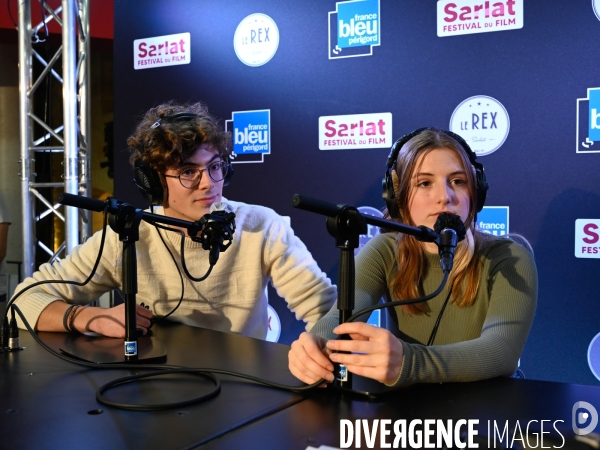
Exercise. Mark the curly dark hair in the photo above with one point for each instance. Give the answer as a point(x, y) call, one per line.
point(172, 141)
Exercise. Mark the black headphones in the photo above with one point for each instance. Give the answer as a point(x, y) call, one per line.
point(388, 186)
point(148, 180)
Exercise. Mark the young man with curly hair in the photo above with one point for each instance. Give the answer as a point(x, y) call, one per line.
point(182, 162)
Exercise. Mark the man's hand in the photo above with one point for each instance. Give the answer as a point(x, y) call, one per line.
point(111, 322)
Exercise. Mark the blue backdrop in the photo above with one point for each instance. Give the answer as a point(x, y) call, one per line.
point(542, 173)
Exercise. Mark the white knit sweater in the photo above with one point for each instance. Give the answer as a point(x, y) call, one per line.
point(233, 298)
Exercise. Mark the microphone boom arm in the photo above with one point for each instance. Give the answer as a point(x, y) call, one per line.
point(422, 233)
point(113, 205)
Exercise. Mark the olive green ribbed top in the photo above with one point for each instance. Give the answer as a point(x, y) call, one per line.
point(476, 342)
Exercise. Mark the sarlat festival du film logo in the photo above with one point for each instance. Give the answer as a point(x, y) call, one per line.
point(456, 17)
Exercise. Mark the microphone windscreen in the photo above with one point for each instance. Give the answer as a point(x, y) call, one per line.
point(447, 220)
point(221, 206)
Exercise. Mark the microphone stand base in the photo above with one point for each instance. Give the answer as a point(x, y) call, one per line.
point(105, 350)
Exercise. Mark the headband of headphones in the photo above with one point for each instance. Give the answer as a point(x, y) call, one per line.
point(148, 180)
point(177, 117)
point(389, 195)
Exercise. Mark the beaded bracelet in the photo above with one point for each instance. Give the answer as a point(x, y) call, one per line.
point(65, 318)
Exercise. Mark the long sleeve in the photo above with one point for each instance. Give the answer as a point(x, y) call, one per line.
point(476, 342)
point(486, 339)
point(75, 267)
point(295, 274)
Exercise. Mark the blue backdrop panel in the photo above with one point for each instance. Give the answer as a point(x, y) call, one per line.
point(536, 72)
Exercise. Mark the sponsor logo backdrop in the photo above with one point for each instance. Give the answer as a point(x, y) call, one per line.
point(523, 91)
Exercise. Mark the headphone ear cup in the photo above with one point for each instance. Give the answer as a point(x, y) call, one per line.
point(388, 191)
point(229, 175)
point(148, 182)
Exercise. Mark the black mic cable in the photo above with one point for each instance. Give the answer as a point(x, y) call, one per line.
point(214, 228)
point(158, 370)
point(450, 230)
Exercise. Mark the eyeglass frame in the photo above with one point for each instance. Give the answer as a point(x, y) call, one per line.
point(224, 165)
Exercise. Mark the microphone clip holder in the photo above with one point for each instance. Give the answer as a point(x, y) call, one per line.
point(212, 227)
point(215, 228)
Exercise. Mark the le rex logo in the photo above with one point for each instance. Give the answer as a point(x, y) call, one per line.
point(588, 122)
point(355, 131)
point(251, 132)
point(587, 238)
point(160, 51)
point(477, 16)
point(256, 39)
point(354, 28)
point(482, 122)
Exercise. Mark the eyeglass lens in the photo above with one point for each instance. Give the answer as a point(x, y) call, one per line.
point(190, 177)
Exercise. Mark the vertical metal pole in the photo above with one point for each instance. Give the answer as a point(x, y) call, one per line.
point(129, 270)
point(76, 129)
point(25, 83)
point(85, 113)
point(71, 161)
point(346, 286)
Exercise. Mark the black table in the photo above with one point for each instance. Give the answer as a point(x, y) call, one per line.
point(49, 403)
point(316, 421)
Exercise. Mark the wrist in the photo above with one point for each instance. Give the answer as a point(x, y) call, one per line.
point(395, 378)
point(84, 319)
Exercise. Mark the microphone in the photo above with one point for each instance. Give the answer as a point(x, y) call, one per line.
point(78, 201)
point(451, 230)
point(217, 228)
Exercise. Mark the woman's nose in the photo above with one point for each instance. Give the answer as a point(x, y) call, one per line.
point(445, 193)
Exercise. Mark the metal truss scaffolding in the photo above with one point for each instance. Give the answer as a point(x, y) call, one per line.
point(73, 135)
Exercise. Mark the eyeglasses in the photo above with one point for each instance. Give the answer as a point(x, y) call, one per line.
point(190, 177)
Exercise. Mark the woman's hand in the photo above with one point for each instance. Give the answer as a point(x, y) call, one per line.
point(308, 359)
point(376, 353)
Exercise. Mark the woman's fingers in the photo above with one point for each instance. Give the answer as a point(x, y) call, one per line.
point(308, 361)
